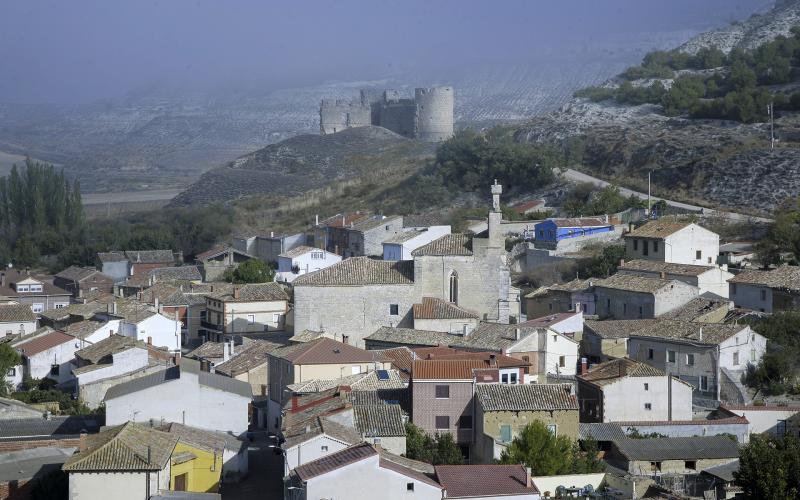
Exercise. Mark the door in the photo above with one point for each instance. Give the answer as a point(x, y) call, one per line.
point(180, 482)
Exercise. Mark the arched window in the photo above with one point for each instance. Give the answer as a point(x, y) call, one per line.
point(454, 287)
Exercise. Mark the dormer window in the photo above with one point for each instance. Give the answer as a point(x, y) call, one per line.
point(23, 288)
point(36, 288)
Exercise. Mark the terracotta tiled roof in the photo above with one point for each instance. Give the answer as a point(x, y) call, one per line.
point(218, 250)
point(492, 336)
point(523, 207)
point(400, 357)
point(611, 371)
point(248, 357)
point(176, 273)
point(380, 420)
point(630, 283)
point(449, 244)
point(464, 481)
point(654, 266)
point(13, 276)
point(342, 220)
point(358, 271)
point(43, 342)
point(324, 351)
point(525, 397)
point(772, 407)
point(399, 464)
point(501, 360)
point(319, 425)
point(784, 277)
point(76, 273)
point(357, 382)
point(128, 447)
point(411, 336)
point(446, 369)
point(373, 222)
point(335, 461)
point(16, 313)
point(207, 440)
point(435, 308)
point(83, 329)
point(658, 229)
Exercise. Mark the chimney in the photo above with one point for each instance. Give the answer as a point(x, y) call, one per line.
point(316, 220)
point(114, 307)
point(621, 262)
point(236, 293)
point(155, 303)
point(82, 442)
point(528, 479)
point(700, 333)
point(492, 360)
point(272, 234)
point(516, 334)
point(294, 402)
point(344, 221)
point(584, 366)
point(662, 275)
point(227, 350)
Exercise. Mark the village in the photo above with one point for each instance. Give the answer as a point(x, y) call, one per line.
point(405, 358)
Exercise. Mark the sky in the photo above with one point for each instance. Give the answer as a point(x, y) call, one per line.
point(56, 51)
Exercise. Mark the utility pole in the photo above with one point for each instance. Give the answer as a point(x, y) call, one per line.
point(771, 112)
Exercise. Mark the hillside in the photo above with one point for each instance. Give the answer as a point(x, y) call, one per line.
point(308, 162)
point(696, 117)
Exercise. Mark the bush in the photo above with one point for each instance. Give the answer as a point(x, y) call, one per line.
point(437, 450)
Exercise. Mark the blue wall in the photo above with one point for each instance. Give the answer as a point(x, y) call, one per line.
point(547, 231)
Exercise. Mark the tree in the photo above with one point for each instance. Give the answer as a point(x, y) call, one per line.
point(8, 360)
point(603, 265)
point(251, 271)
point(769, 467)
point(439, 449)
point(547, 455)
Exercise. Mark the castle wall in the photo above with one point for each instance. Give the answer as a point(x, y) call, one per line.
point(335, 116)
point(434, 113)
point(399, 116)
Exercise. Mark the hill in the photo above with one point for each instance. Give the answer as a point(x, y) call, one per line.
point(696, 117)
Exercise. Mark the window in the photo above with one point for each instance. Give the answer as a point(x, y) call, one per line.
point(608, 304)
point(753, 355)
point(345, 339)
point(562, 361)
point(624, 309)
point(276, 318)
point(690, 359)
point(703, 383)
point(553, 428)
point(454, 287)
point(60, 306)
point(655, 247)
point(763, 295)
point(736, 358)
point(733, 288)
point(646, 387)
point(12, 372)
point(641, 312)
point(541, 233)
point(504, 378)
point(505, 433)
point(23, 288)
point(324, 447)
point(465, 422)
point(514, 378)
point(409, 486)
point(442, 423)
point(655, 466)
point(394, 309)
point(636, 244)
point(251, 319)
point(648, 406)
point(442, 392)
point(54, 370)
point(650, 353)
point(355, 370)
point(36, 288)
point(37, 308)
point(527, 359)
point(670, 356)
point(699, 255)
point(645, 248)
point(690, 464)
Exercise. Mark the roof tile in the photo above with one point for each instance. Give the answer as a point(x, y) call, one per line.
point(357, 271)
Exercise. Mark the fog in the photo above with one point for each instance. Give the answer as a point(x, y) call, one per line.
point(78, 51)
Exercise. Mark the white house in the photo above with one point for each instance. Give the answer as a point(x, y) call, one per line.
point(767, 291)
point(16, 319)
point(360, 473)
point(400, 246)
point(47, 354)
point(111, 357)
point(303, 260)
point(622, 390)
point(669, 240)
point(313, 441)
point(707, 278)
point(251, 308)
point(550, 352)
point(184, 395)
point(566, 323)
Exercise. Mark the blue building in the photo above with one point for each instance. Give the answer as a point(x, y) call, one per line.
point(554, 230)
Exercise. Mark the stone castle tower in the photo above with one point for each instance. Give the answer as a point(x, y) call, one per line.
point(428, 116)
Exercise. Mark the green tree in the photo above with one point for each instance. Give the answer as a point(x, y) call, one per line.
point(439, 449)
point(603, 265)
point(547, 455)
point(769, 467)
point(8, 360)
point(251, 271)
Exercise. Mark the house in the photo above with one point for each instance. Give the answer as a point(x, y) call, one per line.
point(551, 232)
point(303, 260)
point(529, 207)
point(79, 280)
point(502, 411)
point(708, 309)
point(16, 319)
point(23, 471)
point(547, 351)
point(269, 245)
point(485, 482)
point(215, 262)
point(382, 425)
point(64, 316)
point(119, 265)
point(689, 455)
point(771, 419)
point(623, 296)
point(251, 308)
point(182, 303)
point(362, 235)
point(626, 390)
point(574, 295)
point(713, 425)
point(711, 279)
point(225, 457)
point(387, 337)
point(435, 314)
point(45, 354)
point(111, 357)
point(37, 292)
point(327, 234)
point(722, 480)
point(443, 389)
point(345, 474)
point(671, 240)
point(316, 438)
point(712, 357)
point(401, 245)
point(319, 359)
point(767, 291)
point(132, 460)
point(359, 295)
point(138, 321)
point(249, 364)
point(182, 394)
point(44, 430)
point(175, 275)
point(737, 253)
point(607, 339)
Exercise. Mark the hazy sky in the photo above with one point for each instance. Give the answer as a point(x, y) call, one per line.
point(82, 50)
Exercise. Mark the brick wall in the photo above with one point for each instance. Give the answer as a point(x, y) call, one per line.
point(9, 446)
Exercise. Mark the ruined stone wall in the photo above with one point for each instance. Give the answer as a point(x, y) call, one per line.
point(335, 116)
point(434, 113)
point(399, 116)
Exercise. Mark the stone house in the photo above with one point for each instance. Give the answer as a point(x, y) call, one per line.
point(711, 357)
point(303, 260)
point(712, 279)
point(767, 291)
point(439, 315)
point(671, 240)
point(401, 245)
point(487, 482)
point(79, 280)
point(251, 308)
point(16, 320)
point(575, 295)
point(389, 338)
point(624, 296)
point(626, 390)
point(366, 236)
point(215, 262)
point(267, 246)
point(248, 364)
point(35, 291)
point(608, 339)
point(502, 411)
point(182, 394)
point(121, 265)
point(530, 206)
point(381, 425)
point(329, 233)
point(689, 455)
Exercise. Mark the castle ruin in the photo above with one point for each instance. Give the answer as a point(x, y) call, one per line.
point(427, 117)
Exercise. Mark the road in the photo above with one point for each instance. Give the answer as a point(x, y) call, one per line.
point(265, 477)
point(576, 176)
point(129, 196)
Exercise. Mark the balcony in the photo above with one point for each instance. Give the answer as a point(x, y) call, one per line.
point(211, 326)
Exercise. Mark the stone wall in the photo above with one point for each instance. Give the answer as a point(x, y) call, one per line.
point(92, 394)
point(434, 113)
point(399, 117)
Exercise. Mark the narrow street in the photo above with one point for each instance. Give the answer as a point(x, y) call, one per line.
point(265, 479)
